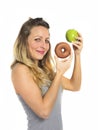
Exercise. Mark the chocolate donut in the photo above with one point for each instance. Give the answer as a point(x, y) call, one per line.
point(62, 50)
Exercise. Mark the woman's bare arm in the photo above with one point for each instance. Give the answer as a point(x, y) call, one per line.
point(31, 93)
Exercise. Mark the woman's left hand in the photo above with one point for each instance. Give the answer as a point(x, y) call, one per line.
point(78, 44)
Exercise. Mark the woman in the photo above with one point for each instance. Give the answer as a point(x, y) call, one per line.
point(37, 85)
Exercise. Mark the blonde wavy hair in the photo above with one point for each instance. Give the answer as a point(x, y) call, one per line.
point(43, 73)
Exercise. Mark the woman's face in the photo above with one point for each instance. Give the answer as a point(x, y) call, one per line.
point(38, 42)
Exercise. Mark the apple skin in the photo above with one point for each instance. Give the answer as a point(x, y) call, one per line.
point(71, 35)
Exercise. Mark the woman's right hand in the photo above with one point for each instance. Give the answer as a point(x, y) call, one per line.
point(62, 65)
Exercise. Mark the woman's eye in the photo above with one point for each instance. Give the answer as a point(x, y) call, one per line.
point(47, 41)
point(37, 39)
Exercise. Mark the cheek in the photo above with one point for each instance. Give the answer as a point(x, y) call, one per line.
point(33, 45)
point(31, 48)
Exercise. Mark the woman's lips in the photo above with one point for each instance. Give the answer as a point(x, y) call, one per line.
point(41, 52)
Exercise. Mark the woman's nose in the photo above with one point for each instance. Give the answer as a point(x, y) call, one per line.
point(43, 44)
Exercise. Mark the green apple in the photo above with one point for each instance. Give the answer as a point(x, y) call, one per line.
point(71, 35)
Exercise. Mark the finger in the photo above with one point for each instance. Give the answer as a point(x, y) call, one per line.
point(69, 58)
point(79, 39)
point(56, 58)
point(76, 44)
point(79, 34)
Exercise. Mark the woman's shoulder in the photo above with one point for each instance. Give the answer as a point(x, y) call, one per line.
point(20, 68)
point(20, 76)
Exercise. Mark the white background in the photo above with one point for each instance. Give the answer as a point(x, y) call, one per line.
point(79, 109)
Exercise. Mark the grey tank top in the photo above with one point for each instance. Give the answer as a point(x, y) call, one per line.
point(53, 122)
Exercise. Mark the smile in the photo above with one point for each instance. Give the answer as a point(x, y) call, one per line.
point(41, 52)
